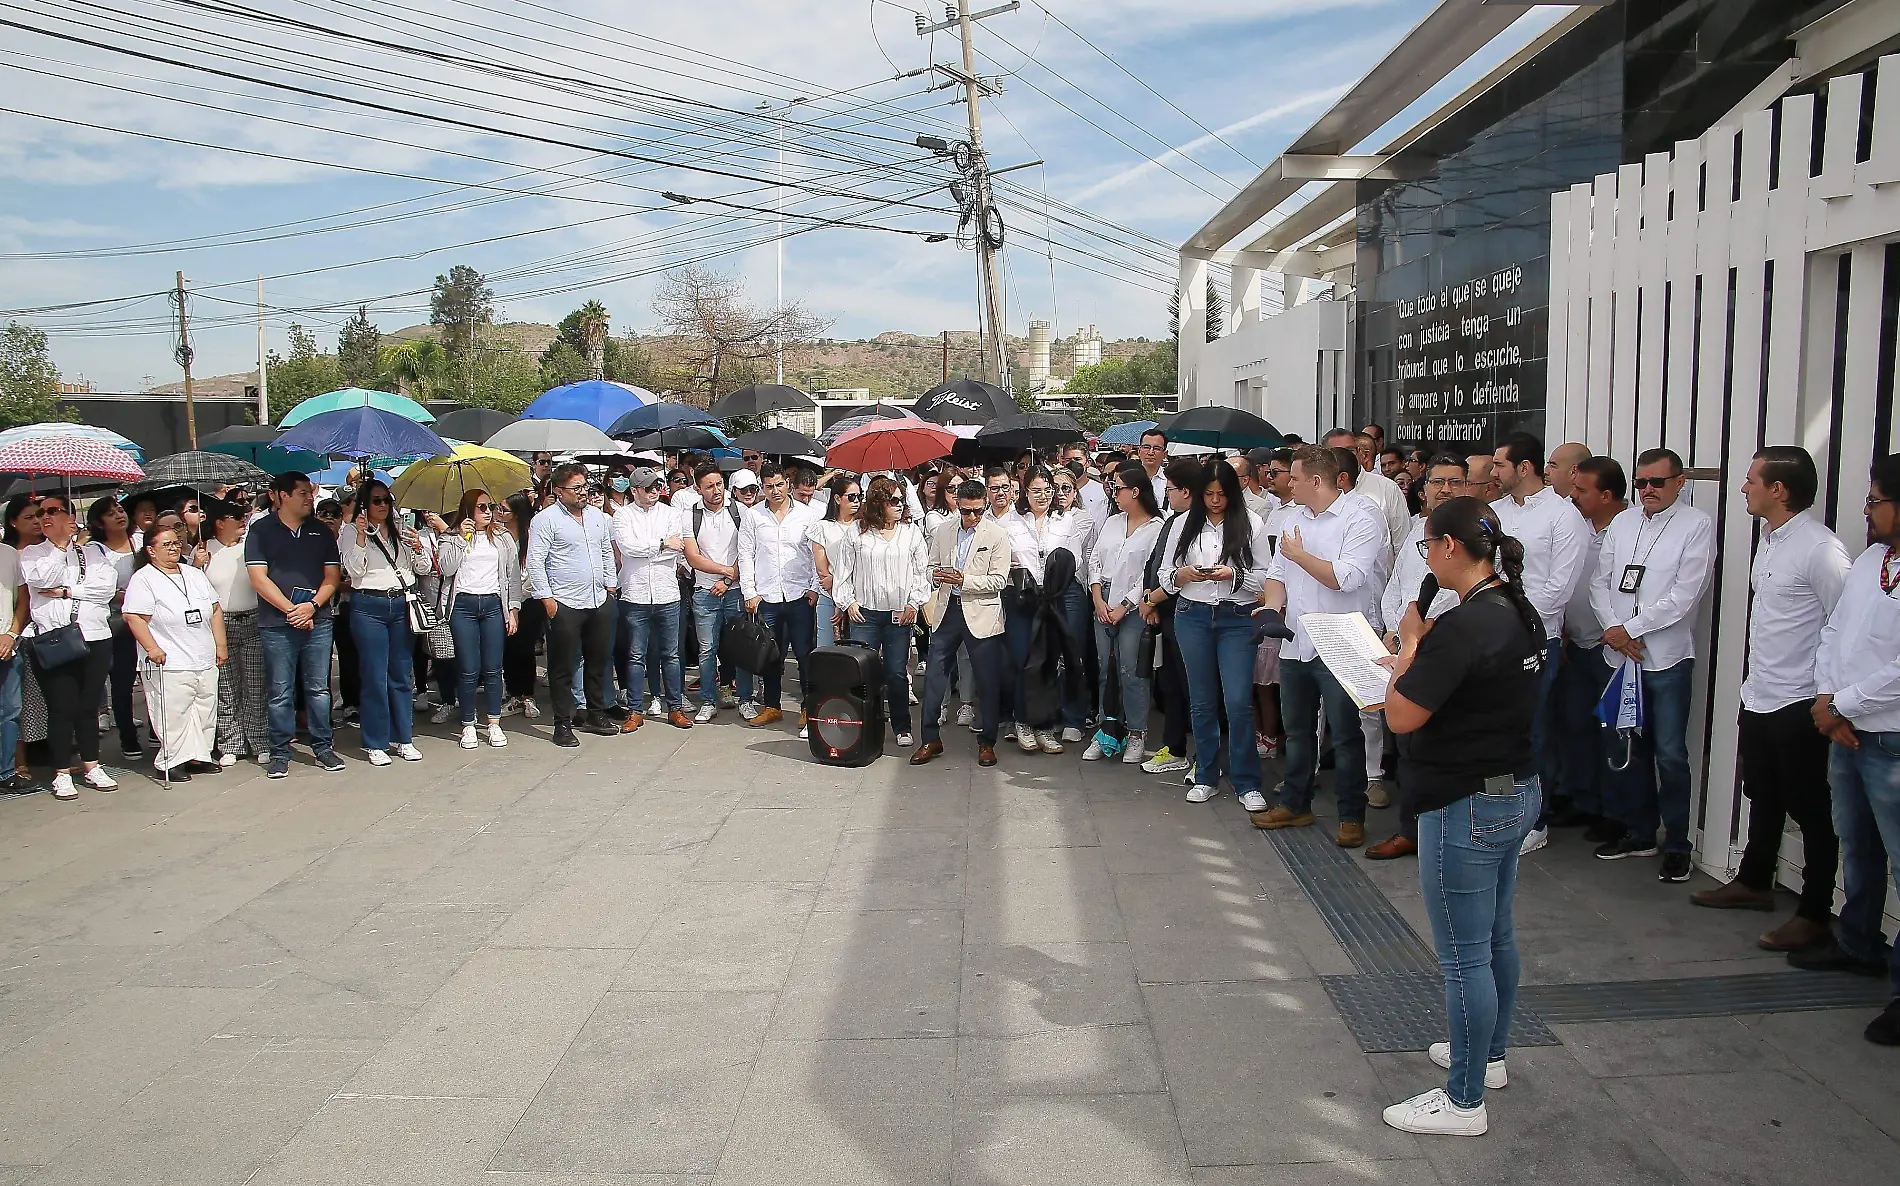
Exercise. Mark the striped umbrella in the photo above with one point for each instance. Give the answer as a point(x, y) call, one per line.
point(61, 428)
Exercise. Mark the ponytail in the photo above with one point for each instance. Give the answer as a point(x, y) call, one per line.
point(1476, 528)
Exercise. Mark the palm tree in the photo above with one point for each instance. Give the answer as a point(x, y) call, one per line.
point(419, 366)
point(594, 334)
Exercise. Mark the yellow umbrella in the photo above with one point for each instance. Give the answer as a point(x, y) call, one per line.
point(438, 483)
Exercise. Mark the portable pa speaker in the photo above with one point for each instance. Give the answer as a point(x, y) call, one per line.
point(844, 700)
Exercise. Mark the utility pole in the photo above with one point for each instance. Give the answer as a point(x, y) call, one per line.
point(183, 354)
point(946, 356)
point(263, 361)
point(989, 224)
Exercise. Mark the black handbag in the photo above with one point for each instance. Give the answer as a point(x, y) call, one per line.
point(749, 645)
point(62, 644)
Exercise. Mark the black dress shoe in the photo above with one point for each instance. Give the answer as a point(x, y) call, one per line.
point(602, 724)
point(19, 784)
point(1885, 1029)
point(1832, 957)
point(196, 767)
point(182, 774)
point(564, 736)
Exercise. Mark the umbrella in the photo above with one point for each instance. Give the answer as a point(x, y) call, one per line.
point(550, 436)
point(964, 401)
point(1222, 428)
point(654, 416)
point(779, 442)
point(473, 424)
point(357, 397)
point(760, 398)
point(337, 473)
point(1621, 711)
point(598, 402)
point(363, 431)
point(253, 443)
point(890, 444)
point(62, 428)
point(686, 436)
point(438, 483)
point(1029, 430)
point(1124, 434)
point(198, 470)
point(882, 412)
point(68, 457)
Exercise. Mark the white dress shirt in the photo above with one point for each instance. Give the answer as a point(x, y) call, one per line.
point(830, 535)
point(775, 555)
point(1556, 539)
point(1261, 502)
point(1859, 660)
point(884, 574)
point(649, 570)
point(1676, 546)
point(1346, 534)
point(718, 538)
point(1408, 572)
point(1385, 494)
point(44, 566)
point(1030, 541)
point(1118, 558)
point(1096, 500)
point(1204, 551)
point(1797, 578)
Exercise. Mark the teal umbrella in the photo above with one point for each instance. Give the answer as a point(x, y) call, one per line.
point(357, 397)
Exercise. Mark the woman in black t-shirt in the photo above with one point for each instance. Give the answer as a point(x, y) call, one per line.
point(1462, 697)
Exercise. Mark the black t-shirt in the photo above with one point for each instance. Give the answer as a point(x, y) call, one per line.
point(1479, 672)
point(292, 559)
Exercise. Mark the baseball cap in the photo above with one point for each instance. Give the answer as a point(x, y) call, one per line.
point(645, 476)
point(743, 478)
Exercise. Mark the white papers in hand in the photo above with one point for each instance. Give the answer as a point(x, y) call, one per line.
point(1350, 649)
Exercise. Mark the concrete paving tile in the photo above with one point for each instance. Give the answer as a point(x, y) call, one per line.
point(303, 1006)
point(895, 870)
point(306, 914)
point(1100, 1140)
point(896, 797)
point(1039, 820)
point(1679, 1046)
point(1409, 1172)
point(870, 1113)
point(1266, 1072)
point(788, 847)
point(729, 937)
point(1183, 927)
point(668, 821)
point(40, 985)
point(873, 974)
point(534, 1178)
point(1828, 1046)
point(1040, 895)
point(15, 1175)
point(84, 901)
point(495, 1029)
point(230, 953)
point(65, 1079)
point(1749, 1128)
point(403, 956)
point(1033, 988)
point(1142, 838)
point(603, 896)
point(398, 1142)
point(492, 872)
point(651, 1084)
point(1107, 1060)
point(36, 846)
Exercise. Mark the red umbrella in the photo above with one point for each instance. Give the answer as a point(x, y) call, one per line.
point(70, 457)
point(890, 444)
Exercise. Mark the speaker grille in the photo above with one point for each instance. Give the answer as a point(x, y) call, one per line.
point(839, 724)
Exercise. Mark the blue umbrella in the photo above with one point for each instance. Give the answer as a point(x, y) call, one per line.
point(363, 432)
point(1125, 434)
point(339, 473)
point(654, 416)
point(356, 397)
point(598, 402)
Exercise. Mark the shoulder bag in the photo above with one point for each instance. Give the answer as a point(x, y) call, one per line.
point(63, 644)
point(423, 618)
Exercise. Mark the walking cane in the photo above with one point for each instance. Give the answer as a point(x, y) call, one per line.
point(154, 670)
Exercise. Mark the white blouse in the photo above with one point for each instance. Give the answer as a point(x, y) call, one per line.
point(1031, 542)
point(884, 574)
point(1120, 558)
point(480, 572)
point(46, 567)
point(1204, 551)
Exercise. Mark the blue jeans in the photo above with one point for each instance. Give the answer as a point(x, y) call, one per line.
point(710, 615)
point(1580, 685)
point(1306, 686)
point(1119, 649)
point(386, 655)
point(9, 712)
point(1467, 869)
point(1217, 652)
point(1654, 790)
point(653, 629)
point(1866, 784)
point(791, 623)
point(480, 627)
point(823, 632)
point(881, 629)
point(296, 657)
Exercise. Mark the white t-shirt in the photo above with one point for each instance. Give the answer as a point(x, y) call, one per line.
point(231, 578)
point(169, 601)
point(481, 567)
point(9, 583)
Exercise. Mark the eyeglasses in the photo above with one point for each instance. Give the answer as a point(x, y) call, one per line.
point(1873, 502)
point(1444, 482)
point(999, 489)
point(167, 543)
point(1653, 483)
point(570, 489)
point(1425, 546)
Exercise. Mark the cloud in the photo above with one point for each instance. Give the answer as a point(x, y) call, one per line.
point(1297, 103)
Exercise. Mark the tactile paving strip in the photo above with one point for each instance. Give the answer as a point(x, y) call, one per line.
point(1399, 1011)
point(1374, 935)
point(1704, 996)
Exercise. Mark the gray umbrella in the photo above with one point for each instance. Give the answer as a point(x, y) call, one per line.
point(551, 436)
point(199, 470)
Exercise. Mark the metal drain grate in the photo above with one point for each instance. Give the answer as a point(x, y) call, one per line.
point(1703, 996)
point(1375, 936)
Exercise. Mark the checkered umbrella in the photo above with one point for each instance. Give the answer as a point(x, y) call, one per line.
point(197, 470)
point(70, 457)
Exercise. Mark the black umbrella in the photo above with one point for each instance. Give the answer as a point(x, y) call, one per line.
point(964, 401)
point(1030, 430)
point(241, 434)
point(779, 442)
point(759, 398)
point(1222, 428)
point(649, 417)
point(686, 436)
point(473, 424)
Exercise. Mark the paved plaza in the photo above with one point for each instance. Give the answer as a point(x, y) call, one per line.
point(698, 957)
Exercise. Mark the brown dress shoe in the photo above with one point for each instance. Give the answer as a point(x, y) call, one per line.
point(1281, 816)
point(985, 754)
point(1797, 934)
point(1352, 834)
point(1735, 896)
point(678, 719)
point(927, 751)
point(1392, 849)
point(767, 716)
point(634, 721)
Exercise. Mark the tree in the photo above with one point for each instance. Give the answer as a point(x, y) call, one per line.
point(1216, 314)
point(29, 382)
point(722, 332)
point(359, 351)
point(1146, 410)
point(627, 361)
point(419, 368)
point(1111, 376)
point(593, 327)
point(505, 377)
point(562, 363)
point(305, 373)
point(461, 304)
point(1092, 414)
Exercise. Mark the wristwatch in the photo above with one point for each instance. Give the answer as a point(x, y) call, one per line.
point(1834, 712)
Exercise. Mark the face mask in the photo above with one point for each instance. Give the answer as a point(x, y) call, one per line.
point(623, 485)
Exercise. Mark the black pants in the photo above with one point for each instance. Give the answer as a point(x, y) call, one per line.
point(125, 667)
point(517, 650)
point(587, 632)
point(349, 671)
point(1171, 687)
point(1784, 773)
point(73, 691)
point(986, 666)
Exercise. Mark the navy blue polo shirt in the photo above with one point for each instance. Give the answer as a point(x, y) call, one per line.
point(292, 560)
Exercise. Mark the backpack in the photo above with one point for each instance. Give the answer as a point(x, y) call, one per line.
point(699, 516)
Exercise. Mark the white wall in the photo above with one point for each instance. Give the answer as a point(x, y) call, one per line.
point(1291, 368)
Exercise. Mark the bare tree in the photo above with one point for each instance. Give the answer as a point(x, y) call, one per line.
point(719, 327)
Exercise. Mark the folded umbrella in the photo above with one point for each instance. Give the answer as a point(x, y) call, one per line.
point(357, 397)
point(759, 398)
point(655, 416)
point(199, 470)
point(363, 431)
point(473, 424)
point(890, 444)
point(438, 483)
point(964, 401)
point(1030, 430)
point(1620, 709)
point(551, 436)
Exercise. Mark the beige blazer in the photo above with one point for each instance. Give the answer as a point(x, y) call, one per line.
point(984, 576)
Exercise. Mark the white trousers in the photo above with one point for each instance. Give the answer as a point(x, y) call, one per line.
point(184, 706)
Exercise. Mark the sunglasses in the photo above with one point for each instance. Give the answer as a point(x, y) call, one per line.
point(1652, 483)
point(380, 502)
point(967, 513)
point(854, 498)
point(484, 506)
point(53, 510)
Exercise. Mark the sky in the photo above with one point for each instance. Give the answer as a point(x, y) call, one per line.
point(351, 150)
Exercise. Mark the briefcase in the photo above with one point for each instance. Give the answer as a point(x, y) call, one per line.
point(748, 644)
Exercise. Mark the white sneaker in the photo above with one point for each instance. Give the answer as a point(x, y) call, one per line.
point(1200, 792)
point(379, 757)
point(653, 707)
point(1494, 1074)
point(1376, 794)
point(1535, 839)
point(1072, 734)
point(966, 716)
point(1254, 801)
point(442, 714)
point(1048, 742)
point(468, 737)
point(1094, 752)
point(1132, 756)
point(529, 708)
point(408, 752)
point(511, 706)
point(226, 761)
point(748, 710)
point(1163, 761)
point(496, 738)
point(63, 787)
point(99, 780)
point(1433, 1114)
point(905, 741)
point(804, 732)
point(427, 699)
point(706, 713)
point(1026, 739)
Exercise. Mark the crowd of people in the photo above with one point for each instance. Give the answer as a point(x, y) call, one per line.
point(1106, 600)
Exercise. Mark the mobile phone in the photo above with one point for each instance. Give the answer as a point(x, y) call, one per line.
point(300, 595)
point(1205, 570)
